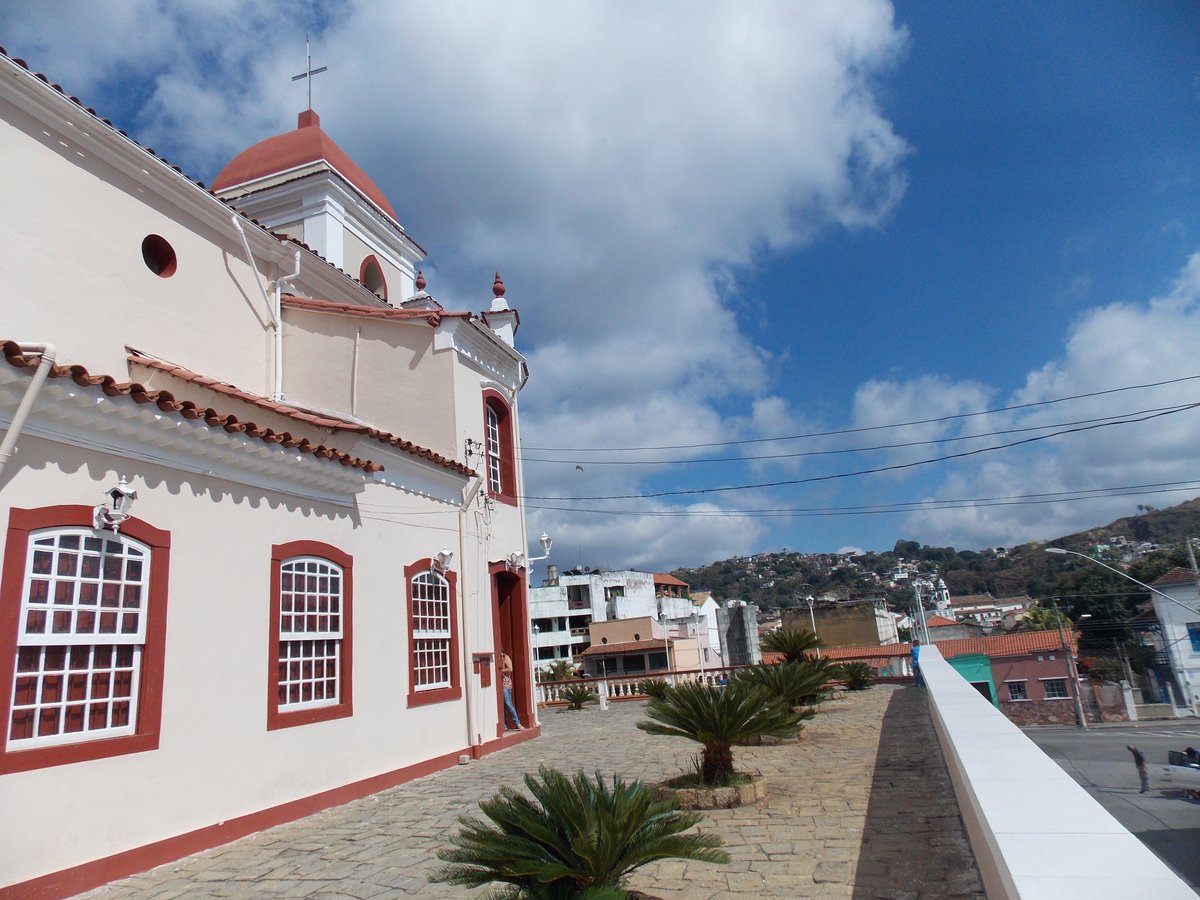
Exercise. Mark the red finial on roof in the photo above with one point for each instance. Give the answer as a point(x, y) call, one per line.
point(308, 119)
point(420, 280)
point(498, 286)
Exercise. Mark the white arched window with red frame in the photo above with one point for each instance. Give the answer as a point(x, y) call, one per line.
point(498, 448)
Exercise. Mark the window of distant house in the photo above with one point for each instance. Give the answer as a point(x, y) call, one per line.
point(1194, 633)
point(1017, 691)
point(85, 611)
point(159, 256)
point(433, 654)
point(310, 633)
point(371, 276)
point(498, 448)
point(1055, 688)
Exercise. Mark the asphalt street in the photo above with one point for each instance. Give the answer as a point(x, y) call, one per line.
point(1165, 819)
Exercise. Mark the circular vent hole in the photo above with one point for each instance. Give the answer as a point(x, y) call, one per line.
point(159, 256)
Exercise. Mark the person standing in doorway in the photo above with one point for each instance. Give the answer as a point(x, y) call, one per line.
point(1139, 760)
point(512, 720)
point(918, 678)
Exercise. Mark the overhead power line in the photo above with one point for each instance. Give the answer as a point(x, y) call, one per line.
point(950, 418)
point(886, 508)
point(872, 471)
point(1113, 419)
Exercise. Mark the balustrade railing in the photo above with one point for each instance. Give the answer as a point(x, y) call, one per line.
point(629, 686)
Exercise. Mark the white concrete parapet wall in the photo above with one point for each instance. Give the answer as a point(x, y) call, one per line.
point(1035, 832)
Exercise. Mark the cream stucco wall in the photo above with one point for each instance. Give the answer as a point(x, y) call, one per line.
point(402, 385)
point(73, 274)
point(217, 760)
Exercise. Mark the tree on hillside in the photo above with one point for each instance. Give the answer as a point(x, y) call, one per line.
point(1099, 602)
point(1044, 618)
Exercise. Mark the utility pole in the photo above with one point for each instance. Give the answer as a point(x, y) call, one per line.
point(813, 619)
point(1071, 672)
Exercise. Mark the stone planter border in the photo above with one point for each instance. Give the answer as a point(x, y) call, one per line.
point(718, 797)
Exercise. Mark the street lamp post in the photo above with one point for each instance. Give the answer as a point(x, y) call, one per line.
point(1059, 551)
point(812, 618)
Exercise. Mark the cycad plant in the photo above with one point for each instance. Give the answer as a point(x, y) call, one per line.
point(576, 695)
point(795, 683)
point(574, 838)
point(653, 687)
point(857, 675)
point(794, 643)
point(717, 719)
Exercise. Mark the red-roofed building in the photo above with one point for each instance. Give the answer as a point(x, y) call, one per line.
point(1026, 675)
point(260, 492)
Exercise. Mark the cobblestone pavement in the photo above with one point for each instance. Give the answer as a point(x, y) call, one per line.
point(835, 823)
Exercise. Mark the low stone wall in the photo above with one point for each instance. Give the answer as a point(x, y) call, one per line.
point(1039, 712)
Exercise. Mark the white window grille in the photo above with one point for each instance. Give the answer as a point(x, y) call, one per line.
point(1016, 690)
point(310, 633)
point(431, 631)
point(80, 638)
point(495, 484)
point(1055, 688)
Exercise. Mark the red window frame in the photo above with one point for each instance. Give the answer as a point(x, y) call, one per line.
point(277, 715)
point(21, 523)
point(507, 493)
point(443, 694)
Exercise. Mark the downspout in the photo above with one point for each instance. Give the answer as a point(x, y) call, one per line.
point(278, 313)
point(474, 738)
point(354, 373)
point(257, 276)
point(274, 308)
point(48, 353)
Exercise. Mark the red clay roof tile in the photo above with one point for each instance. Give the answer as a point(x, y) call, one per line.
point(319, 421)
point(625, 647)
point(1177, 575)
point(166, 402)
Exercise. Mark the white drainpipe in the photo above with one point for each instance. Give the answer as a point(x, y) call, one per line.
point(278, 313)
point(48, 353)
point(474, 738)
point(274, 308)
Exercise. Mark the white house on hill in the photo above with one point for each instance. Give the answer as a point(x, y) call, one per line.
point(261, 494)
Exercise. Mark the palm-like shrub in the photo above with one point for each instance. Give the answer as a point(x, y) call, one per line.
point(795, 683)
point(857, 675)
point(717, 719)
point(576, 695)
point(794, 643)
point(653, 687)
point(576, 838)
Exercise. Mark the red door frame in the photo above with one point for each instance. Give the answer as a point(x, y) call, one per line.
point(510, 633)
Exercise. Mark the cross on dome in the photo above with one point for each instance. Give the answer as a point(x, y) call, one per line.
point(309, 71)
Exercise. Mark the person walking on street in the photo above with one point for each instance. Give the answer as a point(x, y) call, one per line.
point(918, 679)
point(506, 681)
point(1139, 760)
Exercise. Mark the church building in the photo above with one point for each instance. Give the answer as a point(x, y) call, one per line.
point(264, 539)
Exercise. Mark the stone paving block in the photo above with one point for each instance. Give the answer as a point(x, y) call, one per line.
point(840, 799)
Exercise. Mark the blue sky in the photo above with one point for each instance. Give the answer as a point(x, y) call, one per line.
point(730, 223)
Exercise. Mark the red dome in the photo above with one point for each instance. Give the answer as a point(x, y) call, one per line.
point(308, 143)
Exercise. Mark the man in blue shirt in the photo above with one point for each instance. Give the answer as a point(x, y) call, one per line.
point(918, 679)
